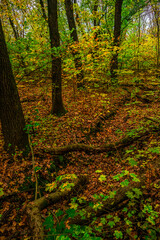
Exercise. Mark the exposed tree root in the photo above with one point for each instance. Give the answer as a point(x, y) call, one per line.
point(109, 115)
point(111, 204)
point(34, 208)
point(126, 141)
point(144, 99)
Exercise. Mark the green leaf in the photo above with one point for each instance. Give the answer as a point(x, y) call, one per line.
point(66, 186)
point(49, 223)
point(137, 191)
point(118, 234)
point(112, 194)
point(116, 219)
point(71, 212)
point(103, 220)
point(62, 237)
point(128, 222)
point(102, 178)
point(124, 183)
point(109, 216)
point(129, 214)
point(51, 186)
point(150, 219)
point(125, 209)
point(111, 224)
point(130, 194)
point(96, 85)
point(154, 150)
point(117, 177)
point(98, 171)
point(134, 176)
point(96, 196)
point(97, 205)
point(73, 205)
point(59, 213)
point(147, 208)
point(126, 172)
point(132, 162)
point(36, 169)
point(1, 192)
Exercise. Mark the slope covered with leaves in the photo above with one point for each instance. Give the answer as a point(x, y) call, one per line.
point(96, 116)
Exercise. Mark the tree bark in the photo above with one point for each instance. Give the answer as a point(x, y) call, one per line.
point(95, 7)
point(11, 114)
point(116, 41)
point(43, 10)
point(74, 36)
point(57, 102)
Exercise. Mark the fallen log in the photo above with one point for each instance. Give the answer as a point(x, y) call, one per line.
point(34, 208)
point(126, 141)
point(109, 205)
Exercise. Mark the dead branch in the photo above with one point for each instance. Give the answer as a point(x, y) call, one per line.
point(126, 141)
point(34, 209)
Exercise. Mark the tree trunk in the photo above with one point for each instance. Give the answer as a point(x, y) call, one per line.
point(74, 36)
point(95, 22)
point(11, 114)
point(57, 102)
point(43, 10)
point(116, 42)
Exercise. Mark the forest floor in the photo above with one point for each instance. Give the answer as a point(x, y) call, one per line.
point(96, 116)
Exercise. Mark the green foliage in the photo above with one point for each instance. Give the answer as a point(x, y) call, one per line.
point(63, 186)
point(132, 162)
point(143, 217)
point(102, 178)
point(124, 183)
point(1, 192)
point(60, 231)
point(118, 234)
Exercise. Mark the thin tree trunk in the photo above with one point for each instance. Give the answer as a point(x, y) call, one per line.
point(57, 102)
point(95, 22)
point(11, 114)
point(74, 36)
point(116, 42)
point(43, 10)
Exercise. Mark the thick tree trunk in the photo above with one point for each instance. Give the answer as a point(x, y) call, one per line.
point(74, 36)
point(11, 114)
point(116, 42)
point(57, 102)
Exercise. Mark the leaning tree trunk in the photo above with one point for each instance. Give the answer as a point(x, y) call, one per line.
point(57, 102)
point(11, 114)
point(74, 36)
point(116, 42)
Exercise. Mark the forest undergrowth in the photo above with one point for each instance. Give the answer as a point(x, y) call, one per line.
point(97, 116)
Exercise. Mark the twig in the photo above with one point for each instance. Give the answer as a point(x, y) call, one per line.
point(33, 162)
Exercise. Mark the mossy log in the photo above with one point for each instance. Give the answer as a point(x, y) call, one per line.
point(34, 208)
point(109, 205)
point(124, 142)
